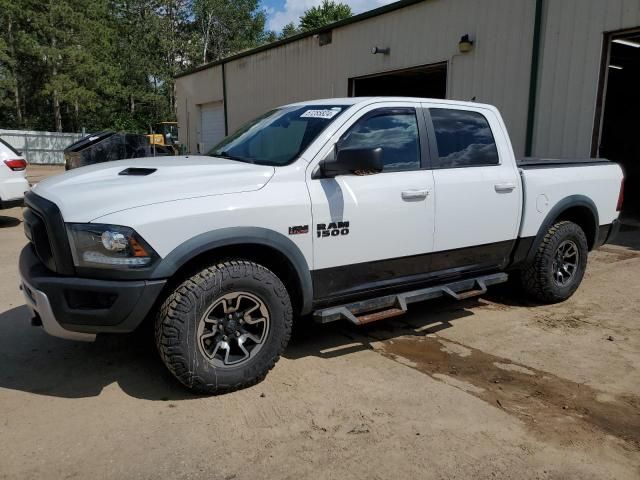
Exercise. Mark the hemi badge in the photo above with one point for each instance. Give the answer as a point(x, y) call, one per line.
point(299, 230)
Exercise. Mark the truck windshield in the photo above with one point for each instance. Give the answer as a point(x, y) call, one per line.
point(278, 137)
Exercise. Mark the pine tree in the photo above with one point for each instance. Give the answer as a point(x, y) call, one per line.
point(110, 64)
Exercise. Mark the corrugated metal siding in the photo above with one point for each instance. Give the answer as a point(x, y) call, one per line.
point(572, 40)
point(192, 91)
point(496, 71)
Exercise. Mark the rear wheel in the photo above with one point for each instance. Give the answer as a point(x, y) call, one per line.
point(559, 264)
point(225, 327)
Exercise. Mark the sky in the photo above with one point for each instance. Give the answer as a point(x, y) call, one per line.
point(281, 12)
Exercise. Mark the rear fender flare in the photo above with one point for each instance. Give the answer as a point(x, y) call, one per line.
point(559, 208)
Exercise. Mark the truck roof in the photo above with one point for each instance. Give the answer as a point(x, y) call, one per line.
point(369, 100)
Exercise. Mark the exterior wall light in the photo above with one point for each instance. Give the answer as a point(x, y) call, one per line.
point(384, 51)
point(465, 45)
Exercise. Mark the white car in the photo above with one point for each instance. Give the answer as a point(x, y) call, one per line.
point(13, 181)
point(332, 209)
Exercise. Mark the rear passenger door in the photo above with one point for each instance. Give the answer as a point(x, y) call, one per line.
point(477, 189)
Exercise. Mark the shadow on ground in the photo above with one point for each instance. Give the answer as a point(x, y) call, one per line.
point(7, 222)
point(32, 361)
point(342, 338)
point(35, 362)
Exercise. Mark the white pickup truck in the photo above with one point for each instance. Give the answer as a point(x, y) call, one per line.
point(333, 209)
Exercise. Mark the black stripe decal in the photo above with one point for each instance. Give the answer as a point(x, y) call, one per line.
point(350, 281)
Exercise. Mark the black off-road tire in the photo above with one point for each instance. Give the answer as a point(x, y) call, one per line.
point(537, 278)
point(177, 321)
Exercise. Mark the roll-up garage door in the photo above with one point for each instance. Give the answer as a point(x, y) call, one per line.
point(211, 125)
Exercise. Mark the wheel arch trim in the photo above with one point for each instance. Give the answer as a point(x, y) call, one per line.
point(556, 212)
point(228, 237)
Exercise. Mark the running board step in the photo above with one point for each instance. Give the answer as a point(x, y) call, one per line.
point(375, 309)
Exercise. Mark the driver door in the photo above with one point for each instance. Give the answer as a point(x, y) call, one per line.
point(374, 231)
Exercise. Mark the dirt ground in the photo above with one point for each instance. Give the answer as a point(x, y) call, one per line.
point(489, 388)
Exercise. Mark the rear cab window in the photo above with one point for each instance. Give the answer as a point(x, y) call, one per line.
point(463, 139)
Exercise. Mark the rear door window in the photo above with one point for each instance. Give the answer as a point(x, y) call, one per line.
point(463, 138)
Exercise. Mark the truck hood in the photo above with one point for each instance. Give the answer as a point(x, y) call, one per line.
point(91, 192)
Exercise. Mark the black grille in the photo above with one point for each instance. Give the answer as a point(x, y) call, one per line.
point(45, 229)
point(36, 232)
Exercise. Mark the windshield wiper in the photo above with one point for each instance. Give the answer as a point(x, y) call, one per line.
point(226, 155)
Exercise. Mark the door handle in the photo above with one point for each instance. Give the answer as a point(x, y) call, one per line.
point(415, 194)
point(505, 187)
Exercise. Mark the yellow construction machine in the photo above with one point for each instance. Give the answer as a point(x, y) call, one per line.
point(164, 138)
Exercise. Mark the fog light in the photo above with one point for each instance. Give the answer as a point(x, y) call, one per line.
point(114, 241)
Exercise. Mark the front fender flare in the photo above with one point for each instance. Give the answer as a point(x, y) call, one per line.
point(227, 237)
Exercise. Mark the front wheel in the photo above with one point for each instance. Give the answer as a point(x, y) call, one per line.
point(224, 328)
point(559, 264)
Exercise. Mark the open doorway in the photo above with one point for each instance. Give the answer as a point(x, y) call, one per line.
point(620, 100)
point(427, 81)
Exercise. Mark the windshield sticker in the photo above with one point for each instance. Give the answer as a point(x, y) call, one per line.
point(320, 113)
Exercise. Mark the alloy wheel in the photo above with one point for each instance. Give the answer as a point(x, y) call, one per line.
point(565, 262)
point(233, 329)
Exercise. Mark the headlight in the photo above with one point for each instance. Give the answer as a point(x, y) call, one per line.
point(108, 246)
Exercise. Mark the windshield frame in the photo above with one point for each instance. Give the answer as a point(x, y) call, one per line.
point(219, 152)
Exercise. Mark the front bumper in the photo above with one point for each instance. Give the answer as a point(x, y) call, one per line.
point(40, 307)
point(79, 308)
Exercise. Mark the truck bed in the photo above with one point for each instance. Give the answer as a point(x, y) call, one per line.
point(547, 182)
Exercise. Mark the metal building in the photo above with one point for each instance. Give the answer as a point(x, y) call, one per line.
point(564, 73)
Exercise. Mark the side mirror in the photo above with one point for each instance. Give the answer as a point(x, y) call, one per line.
point(349, 160)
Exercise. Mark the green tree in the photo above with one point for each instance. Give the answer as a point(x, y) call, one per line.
point(289, 30)
point(176, 47)
point(79, 55)
point(17, 67)
point(10, 108)
point(154, 41)
point(228, 26)
point(270, 37)
point(60, 62)
point(325, 13)
point(110, 64)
